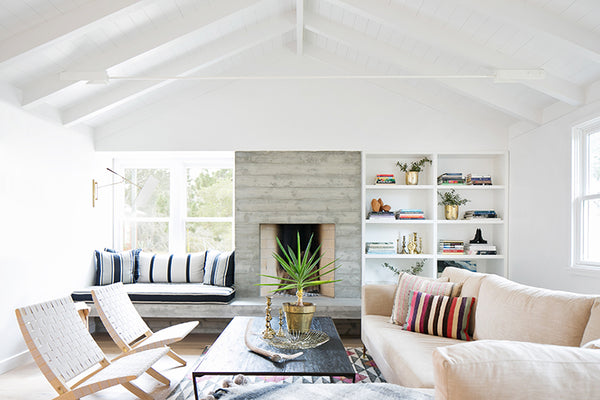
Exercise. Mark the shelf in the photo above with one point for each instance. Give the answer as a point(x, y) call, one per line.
point(401, 222)
point(470, 187)
point(469, 257)
point(405, 256)
point(398, 187)
point(482, 221)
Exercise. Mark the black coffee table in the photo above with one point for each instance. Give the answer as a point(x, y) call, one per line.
point(229, 355)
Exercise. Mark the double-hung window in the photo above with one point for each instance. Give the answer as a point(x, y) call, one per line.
point(178, 204)
point(586, 195)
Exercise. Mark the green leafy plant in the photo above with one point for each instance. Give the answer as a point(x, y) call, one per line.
point(412, 270)
point(416, 166)
point(303, 269)
point(451, 198)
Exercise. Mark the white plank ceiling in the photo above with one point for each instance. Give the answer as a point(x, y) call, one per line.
point(51, 49)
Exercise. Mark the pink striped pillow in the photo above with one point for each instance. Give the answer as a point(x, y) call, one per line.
point(439, 315)
point(408, 282)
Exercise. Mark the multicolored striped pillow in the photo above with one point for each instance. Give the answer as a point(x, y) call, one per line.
point(407, 282)
point(439, 315)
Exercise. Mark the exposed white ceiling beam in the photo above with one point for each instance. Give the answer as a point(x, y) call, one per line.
point(144, 41)
point(192, 62)
point(494, 96)
point(59, 26)
point(431, 31)
point(413, 93)
point(535, 19)
point(299, 26)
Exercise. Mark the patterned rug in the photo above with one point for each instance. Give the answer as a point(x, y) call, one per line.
point(366, 372)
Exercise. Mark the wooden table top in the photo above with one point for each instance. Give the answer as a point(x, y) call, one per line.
point(229, 354)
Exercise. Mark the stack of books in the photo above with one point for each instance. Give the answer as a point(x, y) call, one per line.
point(410, 214)
point(480, 249)
point(381, 248)
point(480, 214)
point(381, 215)
point(452, 247)
point(385, 179)
point(451, 178)
point(478, 179)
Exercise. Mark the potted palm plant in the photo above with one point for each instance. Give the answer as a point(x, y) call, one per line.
point(304, 271)
point(411, 171)
point(451, 200)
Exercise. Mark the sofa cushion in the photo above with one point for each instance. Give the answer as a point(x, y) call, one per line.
point(515, 370)
point(171, 268)
point(406, 283)
point(112, 266)
point(592, 330)
point(439, 315)
point(403, 357)
point(168, 293)
point(218, 268)
point(510, 311)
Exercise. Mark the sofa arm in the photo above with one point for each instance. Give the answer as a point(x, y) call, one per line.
point(378, 299)
point(491, 369)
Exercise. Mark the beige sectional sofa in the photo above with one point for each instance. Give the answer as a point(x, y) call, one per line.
point(527, 343)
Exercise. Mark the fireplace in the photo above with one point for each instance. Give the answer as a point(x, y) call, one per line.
point(323, 234)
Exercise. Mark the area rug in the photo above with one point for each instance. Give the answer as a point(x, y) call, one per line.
point(366, 372)
point(297, 391)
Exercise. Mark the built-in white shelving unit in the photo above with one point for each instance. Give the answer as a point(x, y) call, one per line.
point(434, 228)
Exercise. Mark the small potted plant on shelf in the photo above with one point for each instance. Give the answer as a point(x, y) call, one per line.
point(304, 271)
point(411, 171)
point(451, 200)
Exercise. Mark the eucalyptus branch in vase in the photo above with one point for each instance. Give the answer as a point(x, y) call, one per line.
point(412, 270)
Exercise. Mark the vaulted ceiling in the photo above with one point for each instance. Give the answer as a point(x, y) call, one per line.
point(95, 60)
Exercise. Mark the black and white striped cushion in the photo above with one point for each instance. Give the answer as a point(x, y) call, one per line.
point(115, 266)
point(218, 268)
point(166, 268)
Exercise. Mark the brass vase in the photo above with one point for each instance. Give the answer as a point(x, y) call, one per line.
point(299, 318)
point(411, 177)
point(451, 211)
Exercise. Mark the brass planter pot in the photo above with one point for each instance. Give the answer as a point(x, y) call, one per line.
point(451, 212)
point(299, 318)
point(411, 177)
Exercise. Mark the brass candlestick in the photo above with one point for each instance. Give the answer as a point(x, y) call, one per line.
point(280, 332)
point(268, 333)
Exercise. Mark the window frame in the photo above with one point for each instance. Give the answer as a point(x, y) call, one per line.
point(580, 195)
point(177, 165)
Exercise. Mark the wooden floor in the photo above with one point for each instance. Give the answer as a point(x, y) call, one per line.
point(28, 383)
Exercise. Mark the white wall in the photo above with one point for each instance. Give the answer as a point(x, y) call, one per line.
point(540, 204)
point(302, 115)
point(48, 227)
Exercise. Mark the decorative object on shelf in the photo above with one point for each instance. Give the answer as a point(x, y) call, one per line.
point(385, 179)
point(478, 237)
point(275, 357)
point(377, 205)
point(280, 332)
point(402, 250)
point(412, 270)
point(412, 246)
point(304, 271)
point(451, 201)
point(268, 332)
point(411, 172)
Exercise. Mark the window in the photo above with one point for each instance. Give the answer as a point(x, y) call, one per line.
point(182, 204)
point(586, 195)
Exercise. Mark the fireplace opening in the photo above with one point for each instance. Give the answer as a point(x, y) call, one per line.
point(323, 234)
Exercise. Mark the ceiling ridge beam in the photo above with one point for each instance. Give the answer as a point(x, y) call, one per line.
point(536, 19)
point(61, 25)
point(219, 50)
point(354, 39)
point(431, 31)
point(143, 42)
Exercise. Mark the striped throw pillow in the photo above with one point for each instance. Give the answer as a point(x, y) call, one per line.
point(171, 268)
point(406, 283)
point(439, 315)
point(218, 269)
point(112, 267)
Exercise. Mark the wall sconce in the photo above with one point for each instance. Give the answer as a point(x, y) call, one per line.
point(96, 188)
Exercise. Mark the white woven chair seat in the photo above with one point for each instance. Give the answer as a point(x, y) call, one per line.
point(171, 334)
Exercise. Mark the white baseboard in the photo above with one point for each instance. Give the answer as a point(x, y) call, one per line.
point(15, 361)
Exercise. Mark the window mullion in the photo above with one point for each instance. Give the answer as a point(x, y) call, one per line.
point(178, 194)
